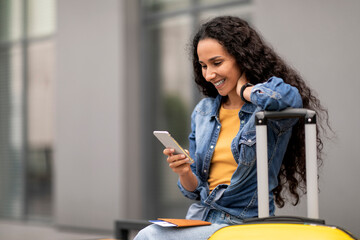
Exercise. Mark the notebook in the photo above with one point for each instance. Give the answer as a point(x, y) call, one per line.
point(171, 222)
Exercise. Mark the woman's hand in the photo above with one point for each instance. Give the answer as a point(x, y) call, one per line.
point(179, 163)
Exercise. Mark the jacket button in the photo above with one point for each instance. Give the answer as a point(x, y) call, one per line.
point(211, 146)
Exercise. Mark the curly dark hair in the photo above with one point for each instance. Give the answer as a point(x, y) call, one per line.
point(259, 62)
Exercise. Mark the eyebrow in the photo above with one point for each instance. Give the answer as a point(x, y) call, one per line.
point(212, 59)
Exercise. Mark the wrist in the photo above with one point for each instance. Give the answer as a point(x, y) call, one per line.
point(186, 173)
point(243, 96)
point(189, 181)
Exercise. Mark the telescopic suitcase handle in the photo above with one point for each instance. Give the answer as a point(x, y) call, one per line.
point(310, 154)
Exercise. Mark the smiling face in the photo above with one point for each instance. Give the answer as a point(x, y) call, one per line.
point(218, 66)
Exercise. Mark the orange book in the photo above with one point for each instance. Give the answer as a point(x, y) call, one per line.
point(171, 222)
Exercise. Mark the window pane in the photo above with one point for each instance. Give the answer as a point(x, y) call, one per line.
point(177, 100)
point(168, 79)
point(170, 93)
point(209, 2)
point(10, 20)
point(41, 18)
point(242, 10)
point(25, 146)
point(12, 187)
point(40, 128)
point(156, 6)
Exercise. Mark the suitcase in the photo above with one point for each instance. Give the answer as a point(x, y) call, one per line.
point(284, 227)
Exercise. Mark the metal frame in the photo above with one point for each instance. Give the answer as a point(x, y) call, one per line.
point(311, 158)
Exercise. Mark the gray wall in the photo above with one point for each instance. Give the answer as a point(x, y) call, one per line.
point(321, 39)
point(89, 145)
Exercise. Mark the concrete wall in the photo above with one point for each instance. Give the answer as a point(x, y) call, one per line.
point(89, 143)
point(320, 38)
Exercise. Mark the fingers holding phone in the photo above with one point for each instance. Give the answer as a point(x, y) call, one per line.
point(179, 163)
point(168, 151)
point(170, 143)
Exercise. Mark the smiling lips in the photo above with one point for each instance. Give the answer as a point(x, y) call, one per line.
point(219, 83)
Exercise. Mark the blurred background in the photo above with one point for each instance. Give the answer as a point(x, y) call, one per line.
point(83, 83)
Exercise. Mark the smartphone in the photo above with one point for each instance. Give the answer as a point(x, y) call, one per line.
point(169, 142)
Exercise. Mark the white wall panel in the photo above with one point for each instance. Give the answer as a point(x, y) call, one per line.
point(89, 145)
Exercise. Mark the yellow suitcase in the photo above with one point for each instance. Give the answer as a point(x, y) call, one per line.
point(284, 227)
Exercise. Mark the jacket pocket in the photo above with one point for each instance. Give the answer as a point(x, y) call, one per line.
point(247, 146)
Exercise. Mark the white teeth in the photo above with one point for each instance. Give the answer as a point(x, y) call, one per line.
point(218, 83)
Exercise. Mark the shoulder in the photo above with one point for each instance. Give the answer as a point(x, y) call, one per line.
point(206, 106)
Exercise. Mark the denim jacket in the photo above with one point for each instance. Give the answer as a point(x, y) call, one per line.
point(239, 199)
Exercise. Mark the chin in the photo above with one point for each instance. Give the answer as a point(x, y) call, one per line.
point(222, 93)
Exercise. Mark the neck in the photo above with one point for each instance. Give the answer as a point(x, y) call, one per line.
point(233, 102)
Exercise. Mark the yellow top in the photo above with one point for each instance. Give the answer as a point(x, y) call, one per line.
point(223, 164)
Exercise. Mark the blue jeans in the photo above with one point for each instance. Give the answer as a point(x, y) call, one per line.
point(217, 218)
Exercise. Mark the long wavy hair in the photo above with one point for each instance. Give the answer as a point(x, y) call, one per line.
point(259, 62)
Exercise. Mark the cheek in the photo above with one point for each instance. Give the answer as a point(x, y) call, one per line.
point(203, 71)
point(236, 73)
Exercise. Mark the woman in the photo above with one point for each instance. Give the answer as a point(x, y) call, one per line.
point(239, 75)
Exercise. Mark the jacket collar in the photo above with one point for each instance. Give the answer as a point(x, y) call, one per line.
point(246, 108)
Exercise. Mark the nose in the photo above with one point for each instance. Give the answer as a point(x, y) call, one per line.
point(209, 75)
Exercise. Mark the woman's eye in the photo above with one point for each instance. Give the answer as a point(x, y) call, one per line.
point(217, 63)
point(203, 66)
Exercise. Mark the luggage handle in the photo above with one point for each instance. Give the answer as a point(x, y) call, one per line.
point(285, 219)
point(310, 153)
point(287, 113)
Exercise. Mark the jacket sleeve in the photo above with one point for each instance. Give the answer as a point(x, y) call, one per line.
point(195, 195)
point(275, 95)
